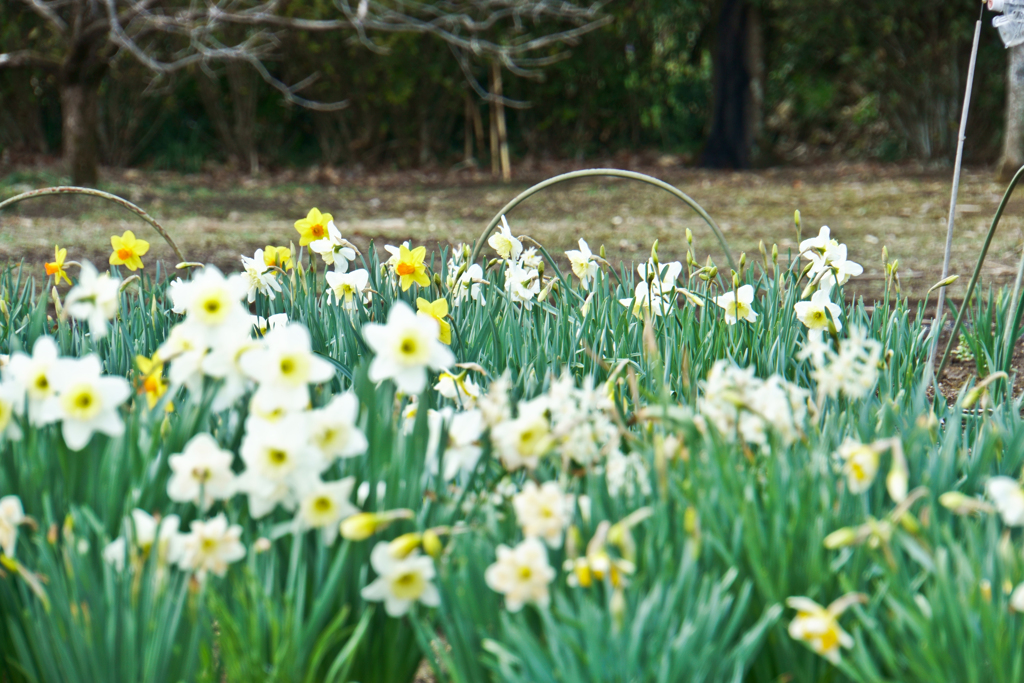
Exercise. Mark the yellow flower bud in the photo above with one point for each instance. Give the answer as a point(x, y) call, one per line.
point(689, 236)
point(796, 218)
point(690, 521)
point(432, 544)
point(841, 538)
point(362, 525)
point(405, 544)
point(897, 483)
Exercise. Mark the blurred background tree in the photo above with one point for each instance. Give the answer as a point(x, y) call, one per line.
point(822, 80)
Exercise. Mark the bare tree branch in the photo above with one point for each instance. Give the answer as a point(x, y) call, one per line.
point(46, 12)
point(29, 59)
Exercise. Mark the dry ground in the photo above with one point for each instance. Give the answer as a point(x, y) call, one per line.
point(216, 216)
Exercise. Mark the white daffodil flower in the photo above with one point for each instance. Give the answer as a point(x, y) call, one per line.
point(1008, 497)
point(280, 450)
point(212, 305)
point(12, 398)
point(584, 266)
point(462, 449)
point(815, 314)
point(543, 511)
point(521, 442)
point(94, 299)
point(84, 401)
point(286, 364)
point(503, 242)
point(468, 285)
point(459, 388)
point(401, 581)
point(860, 464)
point(177, 292)
point(324, 504)
point(185, 348)
point(737, 305)
point(819, 243)
point(259, 277)
point(141, 536)
point(645, 300)
point(834, 257)
point(522, 574)
point(224, 362)
point(211, 546)
point(347, 288)
point(333, 429)
point(333, 249)
point(495, 406)
point(32, 374)
point(824, 252)
point(1017, 598)
point(201, 473)
point(522, 284)
point(404, 348)
point(661, 278)
point(11, 515)
point(819, 627)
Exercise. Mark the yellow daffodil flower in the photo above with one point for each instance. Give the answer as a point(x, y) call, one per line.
point(56, 269)
point(128, 250)
point(438, 310)
point(313, 227)
point(410, 267)
point(278, 256)
point(152, 382)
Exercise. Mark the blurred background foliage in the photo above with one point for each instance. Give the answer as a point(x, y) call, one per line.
point(865, 80)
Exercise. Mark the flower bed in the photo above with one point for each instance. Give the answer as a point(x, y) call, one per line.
point(331, 466)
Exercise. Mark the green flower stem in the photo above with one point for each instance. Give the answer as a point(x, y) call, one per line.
point(977, 274)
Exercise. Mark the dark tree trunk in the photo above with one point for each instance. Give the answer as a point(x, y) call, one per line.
point(730, 140)
point(80, 128)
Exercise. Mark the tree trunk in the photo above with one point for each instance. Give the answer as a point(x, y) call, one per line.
point(758, 71)
point(1013, 141)
point(729, 142)
point(80, 131)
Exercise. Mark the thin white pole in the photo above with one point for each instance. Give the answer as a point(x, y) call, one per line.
point(952, 200)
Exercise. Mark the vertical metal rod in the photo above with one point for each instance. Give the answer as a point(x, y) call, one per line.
point(952, 200)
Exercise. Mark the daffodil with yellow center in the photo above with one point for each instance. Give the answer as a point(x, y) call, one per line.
point(438, 310)
point(860, 464)
point(152, 382)
point(278, 256)
point(819, 627)
point(82, 401)
point(313, 227)
point(737, 305)
point(56, 268)
point(128, 250)
point(410, 267)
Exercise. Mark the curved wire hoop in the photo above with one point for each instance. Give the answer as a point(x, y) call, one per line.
point(46, 191)
point(604, 172)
